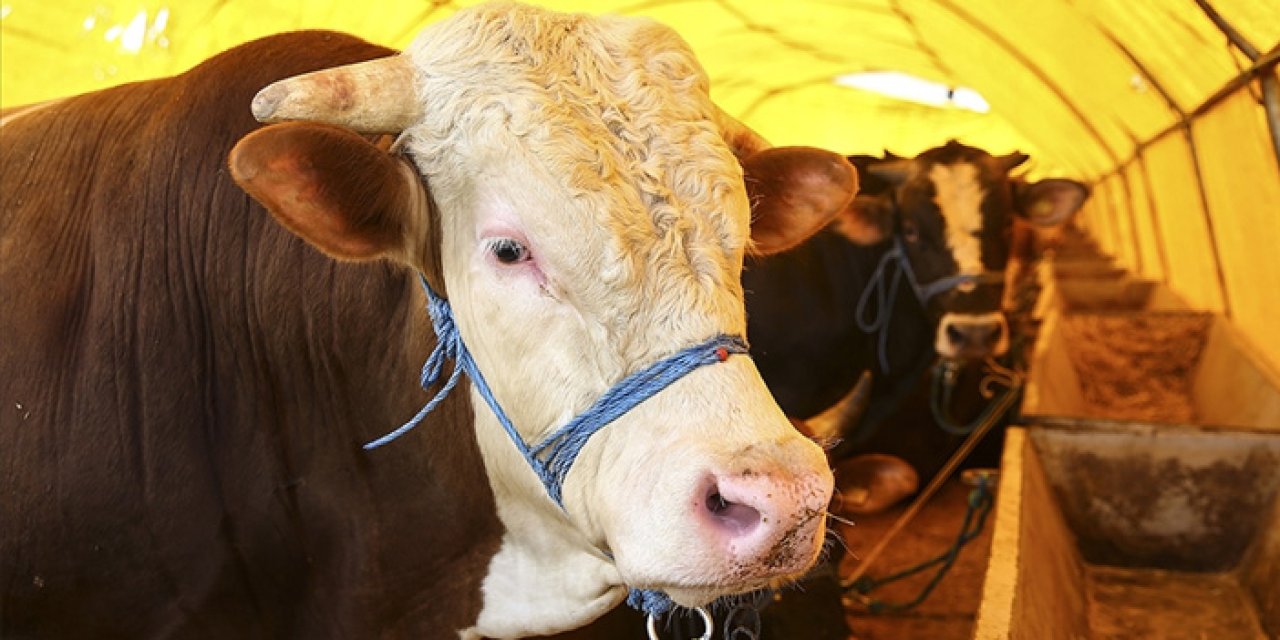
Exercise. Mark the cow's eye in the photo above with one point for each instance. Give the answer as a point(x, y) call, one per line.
point(508, 251)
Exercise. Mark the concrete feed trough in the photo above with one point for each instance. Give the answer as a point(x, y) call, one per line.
point(1135, 532)
point(1086, 267)
point(1123, 294)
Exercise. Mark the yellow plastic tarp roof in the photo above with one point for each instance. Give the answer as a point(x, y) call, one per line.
point(1064, 79)
point(1108, 91)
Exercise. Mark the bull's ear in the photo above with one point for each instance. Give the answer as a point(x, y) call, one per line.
point(336, 190)
point(795, 192)
point(1050, 201)
point(867, 220)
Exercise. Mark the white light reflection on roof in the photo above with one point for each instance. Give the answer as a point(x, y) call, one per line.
point(909, 88)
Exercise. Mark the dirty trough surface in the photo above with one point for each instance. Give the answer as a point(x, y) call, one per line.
point(1125, 603)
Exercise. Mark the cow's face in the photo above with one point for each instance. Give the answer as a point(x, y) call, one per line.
point(955, 209)
point(955, 206)
point(586, 218)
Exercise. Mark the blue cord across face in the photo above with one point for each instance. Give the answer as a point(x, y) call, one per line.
point(554, 456)
point(884, 288)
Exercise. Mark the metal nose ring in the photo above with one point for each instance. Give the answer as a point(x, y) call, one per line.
point(708, 626)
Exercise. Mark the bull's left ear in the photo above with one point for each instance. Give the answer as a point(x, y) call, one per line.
point(1050, 201)
point(336, 190)
point(795, 192)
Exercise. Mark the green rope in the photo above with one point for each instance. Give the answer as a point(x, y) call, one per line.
point(975, 516)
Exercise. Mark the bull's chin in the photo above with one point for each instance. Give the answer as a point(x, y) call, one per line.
point(964, 356)
point(692, 597)
point(788, 565)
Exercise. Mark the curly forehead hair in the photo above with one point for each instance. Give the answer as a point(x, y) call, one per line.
point(615, 107)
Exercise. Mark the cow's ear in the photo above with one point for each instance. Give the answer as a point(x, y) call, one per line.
point(1050, 201)
point(867, 220)
point(795, 192)
point(338, 191)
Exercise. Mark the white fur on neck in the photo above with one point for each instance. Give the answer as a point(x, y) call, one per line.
point(546, 577)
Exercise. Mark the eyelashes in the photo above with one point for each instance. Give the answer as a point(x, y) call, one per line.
point(508, 251)
point(509, 256)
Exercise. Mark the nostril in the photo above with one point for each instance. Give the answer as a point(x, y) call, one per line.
point(737, 519)
point(955, 335)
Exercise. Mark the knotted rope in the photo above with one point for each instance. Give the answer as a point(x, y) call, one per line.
point(945, 375)
point(552, 459)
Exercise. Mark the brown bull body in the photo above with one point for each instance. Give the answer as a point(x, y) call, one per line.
point(185, 386)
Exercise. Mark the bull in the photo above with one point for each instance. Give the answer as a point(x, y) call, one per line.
point(912, 270)
point(189, 387)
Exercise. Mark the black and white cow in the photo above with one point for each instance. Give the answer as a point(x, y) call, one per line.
point(911, 271)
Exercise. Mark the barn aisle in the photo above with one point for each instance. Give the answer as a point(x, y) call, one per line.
point(949, 611)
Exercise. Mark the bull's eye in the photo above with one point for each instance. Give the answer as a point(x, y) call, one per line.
point(508, 251)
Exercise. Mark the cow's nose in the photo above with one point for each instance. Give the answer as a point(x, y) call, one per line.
point(755, 515)
point(974, 336)
point(734, 518)
point(971, 336)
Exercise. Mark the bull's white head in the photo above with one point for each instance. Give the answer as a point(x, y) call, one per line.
point(566, 182)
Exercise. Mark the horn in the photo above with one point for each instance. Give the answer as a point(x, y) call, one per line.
point(744, 141)
point(376, 96)
point(895, 172)
point(1009, 162)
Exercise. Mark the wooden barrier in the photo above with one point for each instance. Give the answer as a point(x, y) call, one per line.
point(1135, 532)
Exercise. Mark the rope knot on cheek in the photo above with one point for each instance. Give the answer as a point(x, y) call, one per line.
point(554, 456)
point(552, 459)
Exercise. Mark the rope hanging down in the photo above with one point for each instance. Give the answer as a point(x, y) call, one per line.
point(856, 584)
point(975, 516)
point(554, 456)
point(945, 375)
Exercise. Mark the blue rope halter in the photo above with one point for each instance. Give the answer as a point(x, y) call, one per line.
point(554, 456)
point(885, 290)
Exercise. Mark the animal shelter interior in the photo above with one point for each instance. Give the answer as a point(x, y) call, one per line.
point(1107, 467)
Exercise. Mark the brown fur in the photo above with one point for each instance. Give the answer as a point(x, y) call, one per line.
point(185, 385)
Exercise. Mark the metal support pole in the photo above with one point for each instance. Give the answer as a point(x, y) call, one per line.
point(1229, 31)
point(1271, 103)
point(1267, 78)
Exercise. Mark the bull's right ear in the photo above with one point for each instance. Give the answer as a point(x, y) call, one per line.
point(336, 190)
